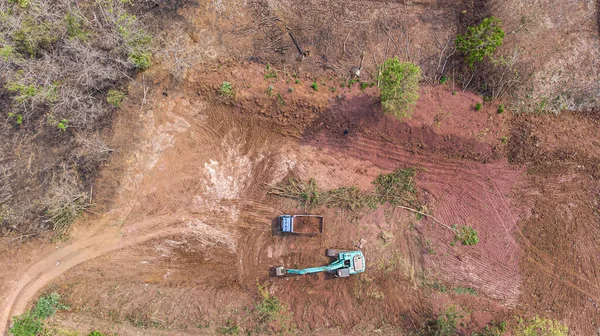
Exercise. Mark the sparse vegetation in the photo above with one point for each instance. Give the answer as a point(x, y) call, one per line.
point(445, 324)
point(465, 290)
point(32, 321)
point(96, 333)
point(59, 63)
point(226, 89)
point(115, 97)
point(500, 109)
point(538, 326)
point(466, 235)
point(399, 86)
point(270, 72)
point(269, 309)
point(269, 306)
point(480, 41)
point(492, 329)
point(397, 188)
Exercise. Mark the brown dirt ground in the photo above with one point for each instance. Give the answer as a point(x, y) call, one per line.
point(183, 231)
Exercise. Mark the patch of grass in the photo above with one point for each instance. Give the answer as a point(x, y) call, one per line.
point(466, 235)
point(364, 85)
point(465, 290)
point(504, 140)
point(115, 97)
point(443, 80)
point(315, 86)
point(230, 328)
point(290, 90)
point(500, 109)
point(32, 321)
point(270, 90)
point(226, 90)
point(478, 106)
point(454, 93)
point(492, 329)
point(297, 81)
point(538, 326)
point(96, 333)
point(332, 89)
point(445, 324)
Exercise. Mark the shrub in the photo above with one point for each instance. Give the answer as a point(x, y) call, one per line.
point(500, 108)
point(466, 235)
point(26, 325)
point(480, 41)
point(315, 86)
point(478, 106)
point(115, 97)
point(47, 306)
point(399, 86)
point(31, 322)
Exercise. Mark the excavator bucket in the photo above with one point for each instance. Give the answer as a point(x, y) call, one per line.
point(279, 271)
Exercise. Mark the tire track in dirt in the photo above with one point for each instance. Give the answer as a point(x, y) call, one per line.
point(478, 201)
point(102, 240)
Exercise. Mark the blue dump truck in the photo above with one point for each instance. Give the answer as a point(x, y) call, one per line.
point(307, 225)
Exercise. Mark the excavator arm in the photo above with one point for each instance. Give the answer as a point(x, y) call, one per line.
point(331, 267)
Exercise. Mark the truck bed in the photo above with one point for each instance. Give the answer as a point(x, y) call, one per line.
point(306, 224)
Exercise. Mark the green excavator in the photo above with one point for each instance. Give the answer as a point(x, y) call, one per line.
point(347, 263)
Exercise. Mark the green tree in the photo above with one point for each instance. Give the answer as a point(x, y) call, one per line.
point(480, 41)
point(399, 86)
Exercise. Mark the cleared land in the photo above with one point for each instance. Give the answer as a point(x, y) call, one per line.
point(181, 240)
